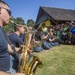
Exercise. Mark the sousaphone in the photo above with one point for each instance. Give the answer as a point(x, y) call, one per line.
point(45, 25)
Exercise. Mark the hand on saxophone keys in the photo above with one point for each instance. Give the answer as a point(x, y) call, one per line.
point(29, 51)
point(18, 74)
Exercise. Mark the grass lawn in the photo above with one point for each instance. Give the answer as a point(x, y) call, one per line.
point(59, 60)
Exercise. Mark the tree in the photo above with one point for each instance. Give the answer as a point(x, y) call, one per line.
point(19, 20)
point(30, 22)
point(10, 27)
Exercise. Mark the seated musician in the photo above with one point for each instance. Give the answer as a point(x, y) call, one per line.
point(44, 37)
point(16, 40)
point(14, 37)
point(52, 39)
point(37, 42)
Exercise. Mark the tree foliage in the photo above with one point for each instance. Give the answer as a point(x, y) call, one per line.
point(30, 22)
point(10, 27)
point(18, 20)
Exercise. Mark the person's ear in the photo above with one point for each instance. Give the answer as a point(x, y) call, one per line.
point(18, 28)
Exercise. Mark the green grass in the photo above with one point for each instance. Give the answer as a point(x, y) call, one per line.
point(59, 60)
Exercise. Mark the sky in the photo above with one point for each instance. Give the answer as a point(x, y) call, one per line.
point(28, 9)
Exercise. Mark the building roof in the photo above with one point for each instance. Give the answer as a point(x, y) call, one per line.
point(55, 14)
point(59, 13)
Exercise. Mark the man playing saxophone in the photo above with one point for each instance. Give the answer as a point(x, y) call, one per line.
point(17, 41)
point(5, 48)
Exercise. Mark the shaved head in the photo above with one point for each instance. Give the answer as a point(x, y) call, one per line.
point(2, 3)
point(5, 13)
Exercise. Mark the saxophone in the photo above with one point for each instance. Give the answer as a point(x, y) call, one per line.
point(36, 62)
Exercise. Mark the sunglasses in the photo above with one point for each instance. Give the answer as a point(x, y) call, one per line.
point(7, 10)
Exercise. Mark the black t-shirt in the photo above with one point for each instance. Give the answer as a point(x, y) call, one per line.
point(22, 36)
point(37, 38)
point(15, 39)
point(4, 55)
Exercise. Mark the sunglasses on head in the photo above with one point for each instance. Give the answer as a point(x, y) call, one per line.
point(7, 10)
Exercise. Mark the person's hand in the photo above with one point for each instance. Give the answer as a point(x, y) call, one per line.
point(5, 73)
point(48, 33)
point(18, 74)
point(20, 50)
point(54, 39)
point(29, 51)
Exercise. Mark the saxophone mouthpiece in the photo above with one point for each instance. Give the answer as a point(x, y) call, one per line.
point(11, 21)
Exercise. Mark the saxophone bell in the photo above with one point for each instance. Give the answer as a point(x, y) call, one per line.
point(34, 64)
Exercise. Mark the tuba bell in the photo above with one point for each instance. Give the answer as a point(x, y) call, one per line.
point(45, 25)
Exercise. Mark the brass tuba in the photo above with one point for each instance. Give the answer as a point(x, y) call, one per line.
point(26, 67)
point(44, 26)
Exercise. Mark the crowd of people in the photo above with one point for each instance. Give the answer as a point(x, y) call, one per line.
point(65, 32)
point(55, 35)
